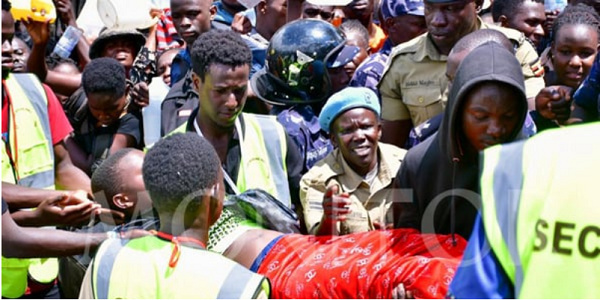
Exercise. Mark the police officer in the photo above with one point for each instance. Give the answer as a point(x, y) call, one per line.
point(414, 82)
point(305, 65)
point(539, 218)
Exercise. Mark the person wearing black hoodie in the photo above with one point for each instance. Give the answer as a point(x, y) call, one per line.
point(437, 184)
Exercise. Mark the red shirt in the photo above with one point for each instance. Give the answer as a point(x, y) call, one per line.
point(60, 127)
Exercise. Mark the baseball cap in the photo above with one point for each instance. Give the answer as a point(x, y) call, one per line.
point(347, 99)
point(395, 8)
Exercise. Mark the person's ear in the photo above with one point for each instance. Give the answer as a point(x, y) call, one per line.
point(503, 20)
point(262, 7)
point(121, 201)
point(333, 139)
point(380, 129)
point(196, 82)
point(213, 12)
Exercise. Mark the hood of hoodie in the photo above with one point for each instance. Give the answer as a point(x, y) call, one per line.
point(488, 62)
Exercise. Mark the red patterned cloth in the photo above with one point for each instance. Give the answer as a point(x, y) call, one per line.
point(166, 34)
point(362, 265)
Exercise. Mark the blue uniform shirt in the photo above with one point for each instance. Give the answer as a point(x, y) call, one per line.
point(370, 71)
point(302, 125)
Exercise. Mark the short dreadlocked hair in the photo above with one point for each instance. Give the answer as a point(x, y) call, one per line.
point(507, 7)
point(104, 75)
point(178, 167)
point(219, 47)
point(579, 14)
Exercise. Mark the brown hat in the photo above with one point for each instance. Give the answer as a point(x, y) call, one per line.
point(109, 34)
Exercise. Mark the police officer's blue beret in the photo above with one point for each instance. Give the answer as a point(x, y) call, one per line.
point(346, 99)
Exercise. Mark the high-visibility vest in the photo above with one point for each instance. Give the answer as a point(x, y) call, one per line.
point(541, 212)
point(33, 156)
point(31, 144)
point(139, 269)
point(264, 148)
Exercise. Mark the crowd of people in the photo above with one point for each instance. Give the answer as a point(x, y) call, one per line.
point(308, 149)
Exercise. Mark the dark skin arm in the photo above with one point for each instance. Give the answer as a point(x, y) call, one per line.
point(121, 141)
point(79, 158)
point(54, 212)
point(60, 83)
point(396, 132)
point(19, 242)
point(19, 197)
point(68, 176)
point(66, 15)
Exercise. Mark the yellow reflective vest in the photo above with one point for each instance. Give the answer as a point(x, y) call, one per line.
point(30, 164)
point(263, 146)
point(541, 212)
point(140, 269)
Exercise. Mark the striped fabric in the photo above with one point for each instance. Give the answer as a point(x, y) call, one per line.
point(166, 34)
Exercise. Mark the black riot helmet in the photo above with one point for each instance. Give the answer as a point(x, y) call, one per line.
point(298, 56)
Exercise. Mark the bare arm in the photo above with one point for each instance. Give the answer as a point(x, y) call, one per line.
point(18, 242)
point(60, 83)
point(54, 212)
point(121, 141)
point(19, 197)
point(79, 158)
point(68, 176)
point(67, 16)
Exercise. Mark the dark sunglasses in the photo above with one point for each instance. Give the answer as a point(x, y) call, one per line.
point(312, 12)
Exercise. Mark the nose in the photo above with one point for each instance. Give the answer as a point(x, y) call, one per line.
point(575, 61)
point(438, 19)
point(232, 101)
point(538, 32)
point(186, 22)
point(7, 49)
point(495, 129)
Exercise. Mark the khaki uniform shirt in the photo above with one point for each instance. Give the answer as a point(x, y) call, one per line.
point(414, 82)
point(368, 203)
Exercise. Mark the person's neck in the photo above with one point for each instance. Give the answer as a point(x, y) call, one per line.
point(364, 171)
point(212, 131)
point(168, 226)
point(264, 30)
point(446, 50)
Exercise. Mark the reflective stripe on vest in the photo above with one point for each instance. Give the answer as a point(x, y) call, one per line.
point(35, 153)
point(269, 175)
point(501, 205)
point(540, 212)
point(264, 149)
point(140, 269)
point(35, 163)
